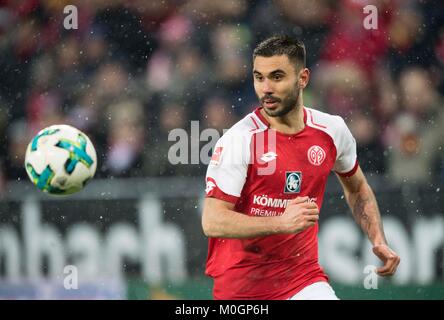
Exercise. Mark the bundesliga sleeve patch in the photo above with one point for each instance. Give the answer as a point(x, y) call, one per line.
point(215, 158)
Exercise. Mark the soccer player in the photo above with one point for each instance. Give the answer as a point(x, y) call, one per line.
point(266, 183)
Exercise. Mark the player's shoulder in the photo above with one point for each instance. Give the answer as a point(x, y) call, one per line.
point(246, 127)
point(333, 125)
point(320, 119)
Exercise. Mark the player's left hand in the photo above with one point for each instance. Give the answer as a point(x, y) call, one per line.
point(389, 258)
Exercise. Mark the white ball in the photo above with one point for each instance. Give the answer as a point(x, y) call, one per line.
point(60, 160)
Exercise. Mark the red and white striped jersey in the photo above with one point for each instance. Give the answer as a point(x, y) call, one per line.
point(259, 170)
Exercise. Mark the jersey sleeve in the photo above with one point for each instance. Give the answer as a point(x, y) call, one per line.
point(346, 162)
point(227, 170)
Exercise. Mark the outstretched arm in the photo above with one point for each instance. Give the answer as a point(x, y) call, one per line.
point(220, 220)
point(364, 207)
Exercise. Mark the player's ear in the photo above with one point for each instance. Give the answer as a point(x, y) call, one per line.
point(301, 83)
point(304, 76)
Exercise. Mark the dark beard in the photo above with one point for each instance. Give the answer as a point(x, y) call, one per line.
point(287, 105)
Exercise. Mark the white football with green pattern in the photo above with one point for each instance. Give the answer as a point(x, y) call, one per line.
point(60, 160)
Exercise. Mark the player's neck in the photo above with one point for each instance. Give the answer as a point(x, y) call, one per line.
point(291, 123)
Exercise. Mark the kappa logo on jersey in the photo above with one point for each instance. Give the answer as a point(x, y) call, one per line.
point(316, 155)
point(215, 158)
point(293, 181)
point(269, 156)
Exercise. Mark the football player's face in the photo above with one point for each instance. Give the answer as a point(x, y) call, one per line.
point(277, 84)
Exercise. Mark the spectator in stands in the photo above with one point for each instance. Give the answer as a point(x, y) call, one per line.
point(370, 150)
point(18, 139)
point(218, 114)
point(173, 58)
point(416, 139)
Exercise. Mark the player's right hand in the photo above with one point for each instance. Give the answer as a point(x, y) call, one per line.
point(299, 215)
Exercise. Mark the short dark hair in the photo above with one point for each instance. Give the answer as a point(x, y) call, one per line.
point(282, 45)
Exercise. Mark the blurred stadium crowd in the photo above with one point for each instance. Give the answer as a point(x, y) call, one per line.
point(135, 70)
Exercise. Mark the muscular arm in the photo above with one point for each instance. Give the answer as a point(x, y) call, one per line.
point(364, 207)
point(219, 220)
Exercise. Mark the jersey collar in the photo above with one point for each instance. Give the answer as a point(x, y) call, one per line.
point(258, 113)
